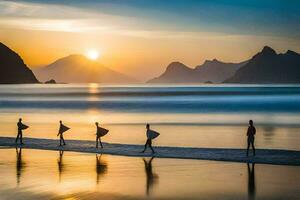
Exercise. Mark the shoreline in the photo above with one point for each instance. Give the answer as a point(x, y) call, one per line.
point(263, 156)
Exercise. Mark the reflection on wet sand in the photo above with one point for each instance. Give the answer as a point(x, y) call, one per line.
point(152, 178)
point(86, 176)
point(20, 165)
point(101, 167)
point(251, 181)
point(60, 164)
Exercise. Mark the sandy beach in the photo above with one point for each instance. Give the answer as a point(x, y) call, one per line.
point(264, 156)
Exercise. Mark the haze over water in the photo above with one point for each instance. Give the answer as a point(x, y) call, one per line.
point(197, 116)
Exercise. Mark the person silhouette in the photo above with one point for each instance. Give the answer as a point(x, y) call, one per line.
point(101, 167)
point(250, 137)
point(151, 177)
point(21, 127)
point(20, 164)
point(149, 140)
point(62, 129)
point(98, 136)
point(60, 164)
point(100, 133)
point(251, 181)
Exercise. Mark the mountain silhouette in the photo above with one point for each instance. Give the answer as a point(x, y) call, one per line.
point(269, 67)
point(211, 71)
point(79, 69)
point(13, 70)
point(216, 71)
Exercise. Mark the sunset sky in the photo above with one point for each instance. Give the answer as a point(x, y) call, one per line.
point(141, 37)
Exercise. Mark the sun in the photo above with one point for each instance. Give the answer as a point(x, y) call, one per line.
point(92, 54)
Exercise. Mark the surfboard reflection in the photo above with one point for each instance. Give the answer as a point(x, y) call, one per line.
point(60, 164)
point(152, 178)
point(251, 181)
point(101, 167)
point(20, 165)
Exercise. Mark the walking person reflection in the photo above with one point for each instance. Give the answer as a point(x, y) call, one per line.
point(20, 164)
point(152, 178)
point(101, 167)
point(250, 137)
point(21, 127)
point(60, 164)
point(251, 181)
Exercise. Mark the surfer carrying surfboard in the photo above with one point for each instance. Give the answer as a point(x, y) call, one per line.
point(100, 133)
point(21, 127)
point(62, 129)
point(150, 136)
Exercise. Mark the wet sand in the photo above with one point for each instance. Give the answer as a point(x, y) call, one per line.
point(41, 174)
point(264, 156)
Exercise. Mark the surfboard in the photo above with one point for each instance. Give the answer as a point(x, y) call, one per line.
point(101, 131)
point(63, 129)
point(23, 127)
point(152, 134)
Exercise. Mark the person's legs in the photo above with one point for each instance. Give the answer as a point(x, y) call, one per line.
point(248, 147)
point(252, 143)
point(96, 142)
point(60, 140)
point(100, 143)
point(62, 137)
point(21, 138)
point(17, 138)
point(150, 145)
point(145, 145)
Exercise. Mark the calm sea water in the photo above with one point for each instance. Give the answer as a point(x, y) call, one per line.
point(199, 116)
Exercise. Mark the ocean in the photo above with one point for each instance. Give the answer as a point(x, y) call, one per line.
point(214, 116)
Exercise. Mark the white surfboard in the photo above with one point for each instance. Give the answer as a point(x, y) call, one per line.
point(63, 129)
point(152, 134)
point(101, 131)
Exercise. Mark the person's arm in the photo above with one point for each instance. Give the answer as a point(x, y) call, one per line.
point(98, 132)
point(248, 131)
point(58, 131)
point(254, 130)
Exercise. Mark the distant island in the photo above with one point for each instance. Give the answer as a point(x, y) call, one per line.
point(51, 81)
point(13, 70)
point(266, 67)
point(80, 69)
point(269, 67)
point(211, 71)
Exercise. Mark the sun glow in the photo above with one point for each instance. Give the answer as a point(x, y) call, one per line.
point(92, 54)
